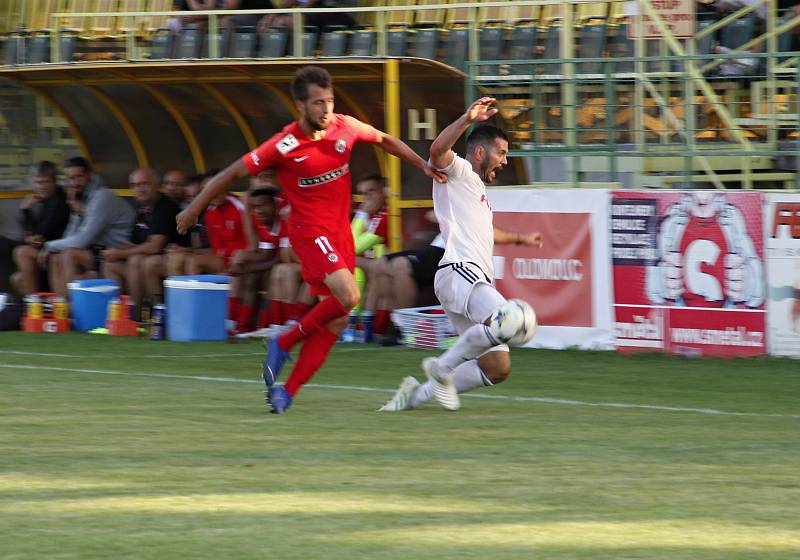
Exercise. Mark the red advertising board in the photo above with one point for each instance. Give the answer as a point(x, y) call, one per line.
point(556, 278)
point(689, 272)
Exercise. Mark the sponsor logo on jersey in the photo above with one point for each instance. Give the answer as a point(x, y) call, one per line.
point(324, 178)
point(287, 144)
point(333, 257)
point(255, 158)
point(301, 159)
point(340, 146)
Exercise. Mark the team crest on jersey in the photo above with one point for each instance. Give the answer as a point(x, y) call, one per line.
point(287, 144)
point(340, 146)
point(333, 257)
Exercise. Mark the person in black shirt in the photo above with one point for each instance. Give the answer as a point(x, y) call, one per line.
point(44, 216)
point(153, 229)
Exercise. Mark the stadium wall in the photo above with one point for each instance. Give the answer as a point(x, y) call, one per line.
point(697, 273)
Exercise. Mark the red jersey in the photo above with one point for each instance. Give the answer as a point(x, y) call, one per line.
point(269, 237)
point(314, 174)
point(378, 223)
point(225, 226)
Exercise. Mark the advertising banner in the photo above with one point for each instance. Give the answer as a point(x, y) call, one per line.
point(782, 228)
point(567, 281)
point(689, 272)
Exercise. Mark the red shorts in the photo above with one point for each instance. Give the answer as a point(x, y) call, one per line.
point(320, 255)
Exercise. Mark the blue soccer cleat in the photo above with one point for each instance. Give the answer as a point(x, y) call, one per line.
point(279, 398)
point(273, 362)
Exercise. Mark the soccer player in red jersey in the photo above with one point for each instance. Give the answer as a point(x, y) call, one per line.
point(312, 159)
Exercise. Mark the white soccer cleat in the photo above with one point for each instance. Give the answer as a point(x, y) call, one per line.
point(444, 391)
point(402, 398)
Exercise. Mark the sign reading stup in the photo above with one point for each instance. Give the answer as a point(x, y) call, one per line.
point(678, 16)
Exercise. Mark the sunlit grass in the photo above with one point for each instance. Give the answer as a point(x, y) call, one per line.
point(94, 465)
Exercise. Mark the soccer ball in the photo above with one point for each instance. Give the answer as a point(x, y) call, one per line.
point(513, 323)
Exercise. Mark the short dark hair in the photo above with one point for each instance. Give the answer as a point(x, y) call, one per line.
point(373, 177)
point(306, 76)
point(44, 168)
point(264, 192)
point(484, 134)
point(78, 162)
point(196, 178)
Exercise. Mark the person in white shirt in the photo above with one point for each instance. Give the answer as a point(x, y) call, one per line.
point(464, 282)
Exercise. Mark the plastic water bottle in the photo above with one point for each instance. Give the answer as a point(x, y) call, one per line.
point(349, 332)
point(366, 324)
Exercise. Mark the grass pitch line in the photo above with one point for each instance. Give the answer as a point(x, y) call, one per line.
point(545, 400)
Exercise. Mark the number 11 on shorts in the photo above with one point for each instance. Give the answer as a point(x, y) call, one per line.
point(324, 244)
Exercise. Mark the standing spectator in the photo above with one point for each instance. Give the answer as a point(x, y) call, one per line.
point(44, 216)
point(152, 231)
point(102, 220)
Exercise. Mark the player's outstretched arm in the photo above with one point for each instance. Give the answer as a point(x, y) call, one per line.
point(529, 239)
point(397, 147)
point(219, 184)
point(442, 148)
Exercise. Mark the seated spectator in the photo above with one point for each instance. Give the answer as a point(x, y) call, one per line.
point(399, 278)
point(178, 256)
point(370, 231)
point(243, 20)
point(153, 230)
point(100, 220)
point(43, 216)
point(311, 17)
point(252, 266)
point(229, 231)
point(174, 186)
point(289, 295)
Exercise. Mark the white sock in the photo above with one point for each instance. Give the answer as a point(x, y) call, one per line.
point(422, 395)
point(466, 377)
point(475, 341)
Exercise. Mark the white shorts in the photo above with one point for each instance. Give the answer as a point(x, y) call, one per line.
point(467, 297)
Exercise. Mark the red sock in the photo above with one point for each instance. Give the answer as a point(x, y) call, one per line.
point(244, 322)
point(380, 321)
point(233, 307)
point(312, 355)
point(302, 308)
point(272, 312)
point(320, 315)
point(282, 312)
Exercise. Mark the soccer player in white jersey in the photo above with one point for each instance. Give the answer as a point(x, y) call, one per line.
point(464, 281)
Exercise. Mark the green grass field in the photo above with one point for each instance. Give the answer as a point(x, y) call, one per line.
point(117, 448)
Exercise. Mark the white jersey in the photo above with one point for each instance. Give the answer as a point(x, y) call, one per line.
point(465, 217)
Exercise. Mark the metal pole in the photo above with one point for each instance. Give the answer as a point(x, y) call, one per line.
point(391, 93)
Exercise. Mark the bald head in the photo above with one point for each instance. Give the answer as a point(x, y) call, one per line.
point(146, 184)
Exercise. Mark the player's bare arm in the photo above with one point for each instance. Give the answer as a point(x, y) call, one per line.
point(529, 239)
point(219, 184)
point(442, 148)
point(397, 147)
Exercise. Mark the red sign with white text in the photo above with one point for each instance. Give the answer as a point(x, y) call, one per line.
point(555, 279)
point(689, 272)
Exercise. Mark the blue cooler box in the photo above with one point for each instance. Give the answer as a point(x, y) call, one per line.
point(89, 302)
point(197, 307)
